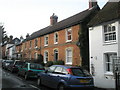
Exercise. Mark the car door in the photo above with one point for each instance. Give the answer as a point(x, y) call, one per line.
point(54, 77)
point(24, 69)
point(46, 77)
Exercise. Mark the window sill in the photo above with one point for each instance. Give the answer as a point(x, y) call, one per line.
point(68, 63)
point(68, 41)
point(109, 43)
point(45, 45)
point(36, 47)
point(109, 73)
point(56, 43)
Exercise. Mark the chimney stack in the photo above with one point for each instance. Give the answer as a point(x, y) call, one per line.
point(92, 3)
point(53, 19)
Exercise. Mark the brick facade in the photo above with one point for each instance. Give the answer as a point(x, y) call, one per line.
point(61, 46)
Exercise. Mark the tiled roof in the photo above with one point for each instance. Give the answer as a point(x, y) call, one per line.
point(73, 20)
point(110, 11)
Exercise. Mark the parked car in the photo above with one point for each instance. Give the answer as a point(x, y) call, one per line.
point(61, 77)
point(30, 70)
point(6, 63)
point(15, 66)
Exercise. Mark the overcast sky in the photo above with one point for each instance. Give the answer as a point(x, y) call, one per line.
point(27, 16)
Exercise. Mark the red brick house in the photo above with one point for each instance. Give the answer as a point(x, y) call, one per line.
point(61, 40)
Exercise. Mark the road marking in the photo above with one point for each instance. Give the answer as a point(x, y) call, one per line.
point(34, 87)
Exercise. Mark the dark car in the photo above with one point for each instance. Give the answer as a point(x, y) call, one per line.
point(6, 63)
point(15, 66)
point(30, 70)
point(61, 77)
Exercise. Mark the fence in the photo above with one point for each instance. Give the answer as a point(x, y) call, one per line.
point(116, 71)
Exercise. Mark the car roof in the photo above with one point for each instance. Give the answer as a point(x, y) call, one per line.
point(64, 66)
point(32, 63)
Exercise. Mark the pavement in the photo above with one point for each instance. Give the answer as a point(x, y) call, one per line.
point(102, 89)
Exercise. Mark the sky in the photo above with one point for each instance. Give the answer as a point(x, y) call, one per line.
point(20, 17)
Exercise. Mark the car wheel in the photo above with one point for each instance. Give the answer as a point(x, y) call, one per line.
point(12, 71)
point(26, 76)
point(39, 81)
point(18, 74)
point(61, 87)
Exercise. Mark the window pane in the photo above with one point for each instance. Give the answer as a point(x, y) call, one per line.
point(56, 37)
point(114, 36)
point(55, 55)
point(58, 69)
point(105, 28)
point(69, 56)
point(113, 28)
point(109, 29)
point(69, 34)
point(69, 37)
point(45, 57)
point(108, 59)
point(46, 40)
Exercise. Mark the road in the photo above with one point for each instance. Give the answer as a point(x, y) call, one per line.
point(11, 81)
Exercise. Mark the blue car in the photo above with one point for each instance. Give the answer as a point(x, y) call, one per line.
point(61, 77)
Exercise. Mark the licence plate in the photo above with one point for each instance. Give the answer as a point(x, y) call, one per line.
point(84, 81)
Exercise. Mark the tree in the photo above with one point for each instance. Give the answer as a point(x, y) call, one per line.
point(4, 37)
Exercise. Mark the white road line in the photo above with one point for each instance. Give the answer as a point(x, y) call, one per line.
point(34, 87)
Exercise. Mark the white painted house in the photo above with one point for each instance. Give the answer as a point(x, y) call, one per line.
point(104, 43)
point(10, 48)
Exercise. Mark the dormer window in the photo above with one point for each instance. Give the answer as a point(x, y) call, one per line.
point(109, 33)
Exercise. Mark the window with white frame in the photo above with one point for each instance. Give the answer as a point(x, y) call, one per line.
point(68, 35)
point(109, 32)
point(68, 56)
point(55, 55)
point(109, 62)
point(55, 38)
point(45, 56)
point(30, 56)
point(46, 40)
point(36, 42)
point(30, 44)
point(36, 56)
point(25, 45)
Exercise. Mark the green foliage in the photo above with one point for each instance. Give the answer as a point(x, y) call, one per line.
point(60, 62)
point(50, 63)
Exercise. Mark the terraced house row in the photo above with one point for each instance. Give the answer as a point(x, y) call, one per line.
point(66, 40)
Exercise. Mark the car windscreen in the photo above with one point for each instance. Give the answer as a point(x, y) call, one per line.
point(80, 72)
point(9, 61)
point(36, 66)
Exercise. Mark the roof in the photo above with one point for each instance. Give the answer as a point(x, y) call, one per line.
point(18, 44)
point(14, 40)
point(73, 20)
point(111, 11)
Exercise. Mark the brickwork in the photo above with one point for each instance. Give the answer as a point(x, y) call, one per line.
point(61, 46)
